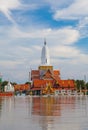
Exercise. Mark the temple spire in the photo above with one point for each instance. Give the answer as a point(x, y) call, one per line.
point(45, 58)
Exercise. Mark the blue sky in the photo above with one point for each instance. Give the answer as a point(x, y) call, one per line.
point(25, 23)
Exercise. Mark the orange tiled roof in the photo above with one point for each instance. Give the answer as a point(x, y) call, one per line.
point(50, 77)
point(56, 72)
point(35, 72)
point(48, 74)
point(67, 83)
point(41, 83)
point(62, 83)
point(22, 87)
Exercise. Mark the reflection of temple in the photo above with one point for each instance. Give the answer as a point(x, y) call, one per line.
point(45, 106)
point(51, 106)
point(46, 80)
point(49, 110)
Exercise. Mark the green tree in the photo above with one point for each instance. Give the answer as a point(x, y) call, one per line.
point(3, 85)
point(14, 83)
point(0, 83)
point(87, 85)
point(80, 84)
point(28, 83)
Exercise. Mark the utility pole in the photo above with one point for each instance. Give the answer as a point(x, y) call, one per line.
point(0, 81)
point(85, 83)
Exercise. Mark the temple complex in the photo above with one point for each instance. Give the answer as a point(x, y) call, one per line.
point(47, 80)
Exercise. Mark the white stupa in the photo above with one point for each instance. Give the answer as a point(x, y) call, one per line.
point(9, 87)
point(45, 58)
point(45, 61)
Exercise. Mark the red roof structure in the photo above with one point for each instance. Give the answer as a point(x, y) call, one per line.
point(50, 78)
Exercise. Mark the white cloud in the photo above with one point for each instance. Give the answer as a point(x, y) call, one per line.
point(7, 5)
point(54, 5)
point(30, 33)
point(65, 51)
point(82, 27)
point(76, 10)
point(65, 35)
point(11, 64)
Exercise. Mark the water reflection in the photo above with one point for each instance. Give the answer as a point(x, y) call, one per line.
point(44, 113)
point(1, 100)
point(50, 110)
point(51, 106)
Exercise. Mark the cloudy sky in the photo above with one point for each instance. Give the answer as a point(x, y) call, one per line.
point(25, 23)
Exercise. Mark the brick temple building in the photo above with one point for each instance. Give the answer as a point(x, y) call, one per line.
point(47, 80)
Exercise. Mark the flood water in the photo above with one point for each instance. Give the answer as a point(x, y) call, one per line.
point(44, 113)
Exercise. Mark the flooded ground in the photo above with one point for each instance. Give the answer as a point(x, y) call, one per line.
point(44, 113)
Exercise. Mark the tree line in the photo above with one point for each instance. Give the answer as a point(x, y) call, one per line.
point(81, 84)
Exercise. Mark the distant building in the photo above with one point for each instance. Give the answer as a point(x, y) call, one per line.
point(9, 87)
point(46, 80)
point(22, 87)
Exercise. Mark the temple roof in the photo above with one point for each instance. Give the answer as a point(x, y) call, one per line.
point(63, 83)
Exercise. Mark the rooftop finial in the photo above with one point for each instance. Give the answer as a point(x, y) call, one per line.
point(44, 41)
